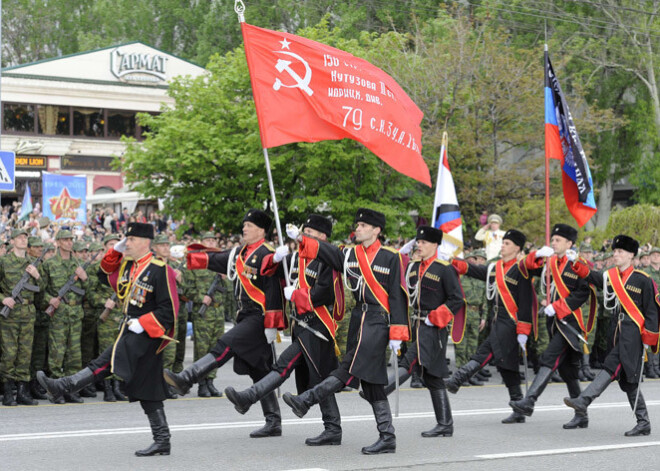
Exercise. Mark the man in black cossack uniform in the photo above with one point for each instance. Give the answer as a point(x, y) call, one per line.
point(260, 315)
point(373, 273)
point(509, 287)
point(317, 293)
point(568, 292)
point(435, 297)
point(146, 290)
point(635, 302)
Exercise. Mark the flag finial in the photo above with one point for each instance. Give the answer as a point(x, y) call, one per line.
point(239, 8)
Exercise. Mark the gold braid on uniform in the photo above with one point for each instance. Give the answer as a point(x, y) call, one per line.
point(123, 287)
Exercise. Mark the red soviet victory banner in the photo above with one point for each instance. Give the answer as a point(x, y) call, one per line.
point(305, 91)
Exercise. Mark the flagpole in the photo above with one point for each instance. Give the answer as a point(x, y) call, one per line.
point(547, 198)
point(239, 8)
point(443, 146)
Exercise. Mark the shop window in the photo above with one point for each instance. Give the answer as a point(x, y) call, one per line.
point(18, 117)
point(53, 120)
point(121, 123)
point(88, 122)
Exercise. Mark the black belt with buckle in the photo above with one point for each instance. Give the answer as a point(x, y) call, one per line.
point(377, 308)
point(309, 317)
point(420, 314)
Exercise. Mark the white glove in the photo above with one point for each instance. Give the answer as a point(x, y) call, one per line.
point(549, 310)
point(442, 255)
point(428, 322)
point(288, 292)
point(544, 251)
point(571, 255)
point(522, 340)
point(271, 335)
point(280, 252)
point(135, 326)
point(395, 346)
point(121, 246)
point(407, 247)
point(292, 231)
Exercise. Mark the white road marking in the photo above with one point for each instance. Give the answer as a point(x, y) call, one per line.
point(562, 451)
point(290, 422)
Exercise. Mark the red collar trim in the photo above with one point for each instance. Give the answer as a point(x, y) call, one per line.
point(372, 250)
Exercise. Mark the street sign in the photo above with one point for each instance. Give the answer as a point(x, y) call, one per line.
point(7, 171)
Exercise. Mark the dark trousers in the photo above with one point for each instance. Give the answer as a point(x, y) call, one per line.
point(560, 356)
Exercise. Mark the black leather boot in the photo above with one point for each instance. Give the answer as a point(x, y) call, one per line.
point(526, 406)
point(643, 426)
point(243, 400)
point(445, 426)
point(415, 381)
point(472, 381)
point(57, 388)
point(556, 378)
point(300, 404)
point(203, 389)
point(116, 389)
point(515, 394)
point(595, 389)
point(462, 375)
point(23, 395)
point(36, 391)
point(161, 434)
point(579, 420)
point(108, 393)
point(88, 391)
point(586, 368)
point(271, 409)
point(212, 389)
point(72, 397)
point(391, 385)
point(332, 423)
point(386, 442)
point(182, 382)
point(8, 397)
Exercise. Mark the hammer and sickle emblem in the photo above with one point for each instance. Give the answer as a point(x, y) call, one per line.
point(284, 65)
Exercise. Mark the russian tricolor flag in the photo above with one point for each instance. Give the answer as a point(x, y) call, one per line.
point(563, 143)
point(446, 213)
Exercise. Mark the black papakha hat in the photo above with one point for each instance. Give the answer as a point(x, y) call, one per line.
point(371, 217)
point(258, 218)
point(429, 234)
point(516, 237)
point(319, 223)
point(625, 243)
point(565, 231)
point(140, 229)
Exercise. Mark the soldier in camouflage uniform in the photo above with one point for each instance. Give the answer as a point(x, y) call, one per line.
point(209, 327)
point(88, 342)
point(41, 325)
point(17, 329)
point(99, 296)
point(64, 357)
point(475, 296)
point(161, 248)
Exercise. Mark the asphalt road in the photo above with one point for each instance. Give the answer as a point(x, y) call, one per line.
point(209, 434)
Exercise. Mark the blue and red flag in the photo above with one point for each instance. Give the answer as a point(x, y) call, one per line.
point(563, 143)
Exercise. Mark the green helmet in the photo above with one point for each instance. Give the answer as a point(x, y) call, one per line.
point(654, 250)
point(94, 246)
point(109, 237)
point(586, 248)
point(208, 235)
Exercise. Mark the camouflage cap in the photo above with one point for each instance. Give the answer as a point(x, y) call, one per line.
point(654, 250)
point(43, 222)
point(161, 239)
point(79, 246)
point(64, 234)
point(586, 248)
point(16, 232)
point(208, 235)
point(480, 253)
point(94, 246)
point(35, 242)
point(109, 237)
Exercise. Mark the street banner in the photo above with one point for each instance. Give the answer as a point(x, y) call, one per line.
point(305, 91)
point(64, 197)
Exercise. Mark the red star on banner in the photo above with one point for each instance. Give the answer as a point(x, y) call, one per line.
point(63, 206)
